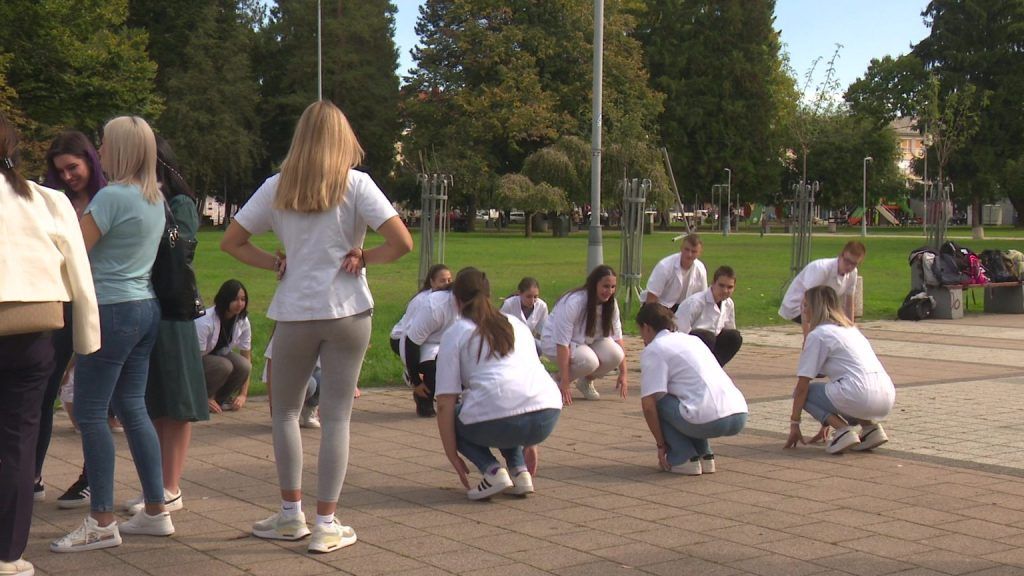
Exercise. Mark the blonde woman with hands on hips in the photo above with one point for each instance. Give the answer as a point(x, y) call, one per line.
point(319, 206)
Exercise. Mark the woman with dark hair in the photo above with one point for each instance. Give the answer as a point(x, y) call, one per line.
point(223, 328)
point(859, 392)
point(526, 305)
point(583, 336)
point(685, 394)
point(439, 277)
point(72, 165)
point(176, 390)
point(488, 361)
point(43, 248)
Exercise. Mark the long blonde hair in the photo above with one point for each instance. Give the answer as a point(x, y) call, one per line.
point(129, 155)
point(823, 308)
point(314, 174)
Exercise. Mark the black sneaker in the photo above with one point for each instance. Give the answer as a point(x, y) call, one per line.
point(424, 407)
point(39, 491)
point(77, 495)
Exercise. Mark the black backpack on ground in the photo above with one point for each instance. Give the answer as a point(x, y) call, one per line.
point(918, 305)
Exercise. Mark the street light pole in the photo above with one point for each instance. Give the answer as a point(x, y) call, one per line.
point(728, 203)
point(864, 215)
point(595, 247)
point(319, 55)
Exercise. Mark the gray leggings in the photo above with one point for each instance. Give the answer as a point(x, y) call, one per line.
point(340, 344)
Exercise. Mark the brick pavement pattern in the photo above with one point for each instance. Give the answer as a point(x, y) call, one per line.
point(944, 496)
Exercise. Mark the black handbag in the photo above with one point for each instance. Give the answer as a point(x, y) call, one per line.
point(174, 280)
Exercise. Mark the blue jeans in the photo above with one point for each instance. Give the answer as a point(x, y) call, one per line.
point(509, 435)
point(115, 375)
point(820, 407)
point(686, 439)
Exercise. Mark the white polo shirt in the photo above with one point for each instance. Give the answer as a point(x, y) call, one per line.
point(699, 312)
point(429, 323)
point(681, 365)
point(315, 286)
point(858, 384)
point(208, 331)
point(418, 301)
point(823, 272)
point(513, 306)
point(671, 284)
point(493, 388)
point(567, 324)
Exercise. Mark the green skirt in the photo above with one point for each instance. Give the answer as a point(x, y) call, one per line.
point(177, 385)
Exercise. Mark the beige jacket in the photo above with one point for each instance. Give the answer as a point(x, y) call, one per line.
point(43, 258)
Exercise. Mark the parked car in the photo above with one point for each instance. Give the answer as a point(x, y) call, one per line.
point(517, 217)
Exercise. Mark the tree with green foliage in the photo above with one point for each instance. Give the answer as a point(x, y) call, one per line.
point(204, 50)
point(890, 88)
point(519, 191)
point(727, 93)
point(360, 60)
point(495, 83)
point(74, 66)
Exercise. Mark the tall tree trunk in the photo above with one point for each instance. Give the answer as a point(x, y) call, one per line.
point(977, 227)
point(529, 224)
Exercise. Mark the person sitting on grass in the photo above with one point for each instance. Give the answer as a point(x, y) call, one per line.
point(711, 316)
point(859, 391)
point(685, 395)
point(508, 401)
point(223, 328)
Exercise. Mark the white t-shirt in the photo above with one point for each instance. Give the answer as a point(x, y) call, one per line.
point(429, 323)
point(681, 365)
point(513, 306)
point(419, 300)
point(671, 284)
point(859, 386)
point(315, 286)
point(699, 312)
point(823, 272)
point(494, 388)
point(208, 331)
point(567, 324)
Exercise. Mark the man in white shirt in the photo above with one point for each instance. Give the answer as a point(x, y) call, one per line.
point(676, 277)
point(711, 316)
point(839, 273)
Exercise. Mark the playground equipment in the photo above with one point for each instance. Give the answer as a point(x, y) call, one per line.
point(887, 215)
point(433, 220)
point(634, 198)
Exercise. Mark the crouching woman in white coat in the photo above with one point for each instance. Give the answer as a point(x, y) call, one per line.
point(508, 400)
point(859, 391)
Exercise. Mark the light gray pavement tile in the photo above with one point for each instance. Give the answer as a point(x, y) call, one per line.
point(968, 545)
point(552, 557)
point(371, 564)
point(863, 564)
point(205, 567)
point(949, 562)
point(827, 532)
point(803, 548)
point(722, 551)
point(635, 554)
point(778, 566)
point(604, 567)
point(886, 546)
point(466, 560)
point(905, 530)
point(689, 565)
point(981, 528)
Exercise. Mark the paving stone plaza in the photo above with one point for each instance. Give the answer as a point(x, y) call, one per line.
point(944, 496)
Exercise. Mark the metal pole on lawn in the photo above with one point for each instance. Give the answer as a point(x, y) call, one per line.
point(595, 252)
point(864, 205)
point(728, 203)
point(319, 56)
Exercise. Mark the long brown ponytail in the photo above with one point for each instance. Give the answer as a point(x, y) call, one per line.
point(472, 290)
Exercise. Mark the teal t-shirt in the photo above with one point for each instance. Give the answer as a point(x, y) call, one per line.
point(123, 257)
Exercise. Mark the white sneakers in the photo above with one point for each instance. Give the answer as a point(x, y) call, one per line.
point(689, 468)
point(89, 536)
point(586, 387)
point(142, 523)
point(308, 417)
point(871, 436)
point(522, 484)
point(172, 502)
point(19, 567)
point(842, 439)
point(280, 527)
point(328, 538)
point(491, 484)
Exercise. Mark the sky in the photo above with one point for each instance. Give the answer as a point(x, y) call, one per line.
point(810, 29)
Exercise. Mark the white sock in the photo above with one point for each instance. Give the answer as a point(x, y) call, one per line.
point(291, 509)
point(325, 520)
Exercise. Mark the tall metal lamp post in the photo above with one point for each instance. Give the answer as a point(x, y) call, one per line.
point(864, 206)
point(728, 203)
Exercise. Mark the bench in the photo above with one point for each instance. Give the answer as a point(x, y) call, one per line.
point(1000, 297)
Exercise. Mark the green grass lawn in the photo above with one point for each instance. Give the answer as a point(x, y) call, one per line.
point(559, 264)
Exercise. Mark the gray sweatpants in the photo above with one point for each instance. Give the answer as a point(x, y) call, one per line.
point(340, 344)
